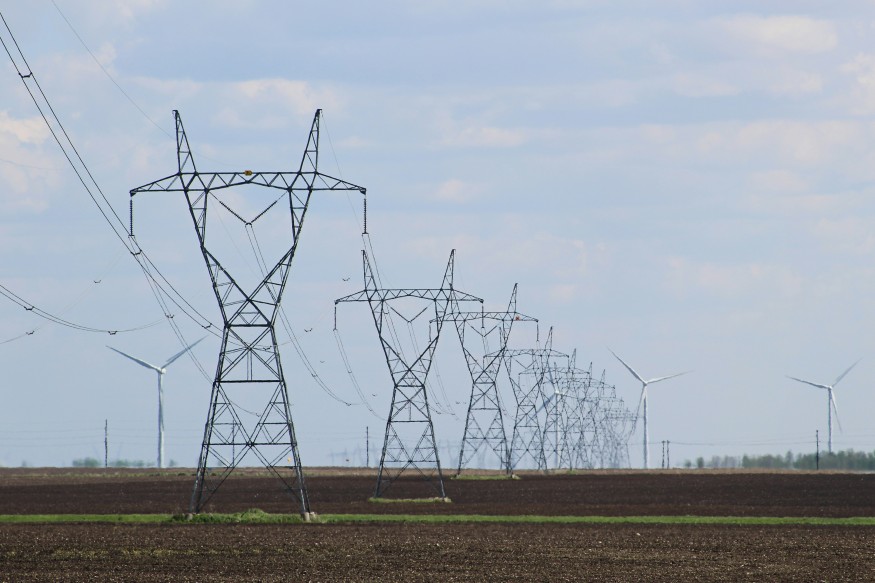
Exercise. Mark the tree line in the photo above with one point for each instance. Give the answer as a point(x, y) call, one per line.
point(840, 460)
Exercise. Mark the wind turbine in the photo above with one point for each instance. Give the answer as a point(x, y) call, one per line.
point(643, 400)
point(160, 370)
point(831, 402)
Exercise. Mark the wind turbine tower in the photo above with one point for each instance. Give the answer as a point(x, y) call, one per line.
point(830, 403)
point(160, 370)
point(642, 403)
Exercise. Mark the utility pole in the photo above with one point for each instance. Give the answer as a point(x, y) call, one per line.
point(249, 365)
point(106, 443)
point(817, 450)
point(484, 423)
point(409, 441)
point(367, 447)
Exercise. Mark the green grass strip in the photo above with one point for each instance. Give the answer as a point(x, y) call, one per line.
point(62, 518)
point(486, 477)
point(434, 500)
point(529, 519)
point(260, 517)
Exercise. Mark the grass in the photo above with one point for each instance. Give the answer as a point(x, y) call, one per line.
point(485, 477)
point(434, 500)
point(61, 518)
point(256, 516)
point(253, 516)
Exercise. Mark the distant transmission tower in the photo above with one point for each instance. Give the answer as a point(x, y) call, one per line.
point(249, 367)
point(484, 423)
point(528, 389)
point(409, 441)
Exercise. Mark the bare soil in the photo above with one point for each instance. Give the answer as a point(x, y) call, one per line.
point(428, 552)
point(621, 493)
point(466, 552)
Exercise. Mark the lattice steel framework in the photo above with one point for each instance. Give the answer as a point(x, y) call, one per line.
point(594, 425)
point(484, 423)
point(409, 441)
point(249, 358)
point(527, 440)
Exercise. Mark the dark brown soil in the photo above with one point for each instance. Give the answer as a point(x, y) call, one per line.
point(429, 552)
point(467, 552)
point(65, 491)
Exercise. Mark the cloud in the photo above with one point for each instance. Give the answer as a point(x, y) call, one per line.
point(690, 85)
point(31, 130)
point(778, 181)
point(271, 103)
point(484, 136)
point(456, 191)
point(730, 281)
point(790, 82)
point(855, 235)
point(862, 67)
point(785, 34)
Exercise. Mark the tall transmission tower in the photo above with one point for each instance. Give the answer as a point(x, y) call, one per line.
point(409, 441)
point(527, 440)
point(249, 368)
point(484, 423)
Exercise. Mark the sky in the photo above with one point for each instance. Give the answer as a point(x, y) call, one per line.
point(688, 184)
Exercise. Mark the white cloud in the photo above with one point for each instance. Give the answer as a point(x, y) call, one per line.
point(789, 82)
point(794, 34)
point(690, 85)
point(484, 136)
point(687, 278)
point(862, 67)
point(456, 191)
point(778, 181)
point(848, 234)
point(31, 130)
point(270, 103)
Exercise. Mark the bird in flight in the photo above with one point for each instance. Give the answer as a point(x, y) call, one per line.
point(345, 279)
point(308, 329)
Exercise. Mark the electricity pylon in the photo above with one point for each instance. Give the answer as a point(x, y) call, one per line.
point(409, 441)
point(528, 389)
point(249, 360)
point(484, 423)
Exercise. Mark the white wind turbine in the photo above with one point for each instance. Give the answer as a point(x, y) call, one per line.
point(160, 370)
point(831, 402)
point(643, 400)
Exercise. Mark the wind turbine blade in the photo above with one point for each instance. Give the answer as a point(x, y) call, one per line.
point(841, 376)
point(180, 353)
point(808, 383)
point(650, 382)
point(137, 360)
point(836, 411)
point(629, 368)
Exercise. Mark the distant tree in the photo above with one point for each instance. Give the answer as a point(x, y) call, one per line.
point(87, 462)
point(700, 462)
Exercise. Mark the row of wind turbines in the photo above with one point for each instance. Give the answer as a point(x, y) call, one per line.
point(642, 402)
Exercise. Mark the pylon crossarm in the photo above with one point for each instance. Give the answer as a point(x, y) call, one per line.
point(386, 295)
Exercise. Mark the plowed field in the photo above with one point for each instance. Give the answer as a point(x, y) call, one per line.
point(450, 552)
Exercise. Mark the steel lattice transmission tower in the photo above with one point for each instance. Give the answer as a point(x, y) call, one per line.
point(527, 440)
point(409, 441)
point(484, 423)
point(249, 368)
